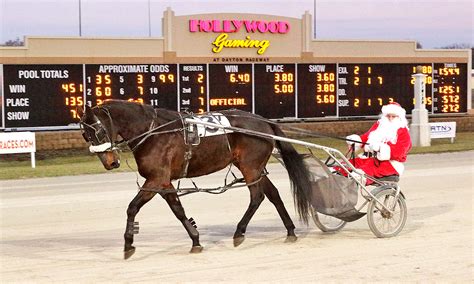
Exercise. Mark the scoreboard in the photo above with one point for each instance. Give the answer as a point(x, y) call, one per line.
point(48, 96)
point(230, 86)
point(151, 84)
point(41, 95)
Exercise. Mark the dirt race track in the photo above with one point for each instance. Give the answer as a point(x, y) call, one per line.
point(70, 229)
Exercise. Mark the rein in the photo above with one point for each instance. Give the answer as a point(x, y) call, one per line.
point(296, 130)
point(151, 131)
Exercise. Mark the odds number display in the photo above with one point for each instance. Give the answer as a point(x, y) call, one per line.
point(49, 96)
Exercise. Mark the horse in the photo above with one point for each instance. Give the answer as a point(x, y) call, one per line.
point(157, 139)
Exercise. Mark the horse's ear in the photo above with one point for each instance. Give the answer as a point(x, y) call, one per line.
point(80, 111)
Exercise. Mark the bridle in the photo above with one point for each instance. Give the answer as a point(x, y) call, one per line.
point(103, 141)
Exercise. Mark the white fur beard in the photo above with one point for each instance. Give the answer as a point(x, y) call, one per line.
point(386, 131)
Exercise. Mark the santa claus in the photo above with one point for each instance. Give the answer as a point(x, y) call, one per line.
point(389, 142)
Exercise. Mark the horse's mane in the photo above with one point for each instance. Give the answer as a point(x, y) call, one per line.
point(144, 109)
point(166, 114)
point(130, 107)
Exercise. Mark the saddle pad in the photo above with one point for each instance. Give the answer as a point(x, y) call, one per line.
point(216, 118)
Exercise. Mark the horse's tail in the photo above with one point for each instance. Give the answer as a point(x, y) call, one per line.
point(299, 175)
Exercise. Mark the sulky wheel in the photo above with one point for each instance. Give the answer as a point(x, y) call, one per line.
point(385, 224)
point(326, 223)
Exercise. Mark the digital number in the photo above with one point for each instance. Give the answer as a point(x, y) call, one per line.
point(446, 71)
point(140, 79)
point(356, 70)
point(450, 108)
point(200, 78)
point(166, 78)
point(427, 80)
point(325, 88)
point(107, 91)
point(450, 99)
point(74, 113)
point(426, 101)
point(140, 101)
point(426, 69)
point(74, 101)
point(71, 88)
point(449, 89)
point(239, 78)
point(325, 77)
point(99, 79)
point(374, 101)
point(283, 77)
point(284, 89)
point(325, 99)
point(201, 101)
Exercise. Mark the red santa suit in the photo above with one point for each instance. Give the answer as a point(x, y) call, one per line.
point(389, 141)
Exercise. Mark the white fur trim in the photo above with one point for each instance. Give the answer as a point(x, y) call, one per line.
point(375, 146)
point(398, 166)
point(384, 153)
point(100, 148)
point(393, 109)
point(355, 137)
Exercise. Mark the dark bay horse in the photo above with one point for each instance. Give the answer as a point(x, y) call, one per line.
point(157, 140)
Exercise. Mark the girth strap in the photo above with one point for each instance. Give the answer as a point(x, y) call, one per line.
point(189, 147)
point(187, 157)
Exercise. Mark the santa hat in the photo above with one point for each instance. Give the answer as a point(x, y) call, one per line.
point(394, 108)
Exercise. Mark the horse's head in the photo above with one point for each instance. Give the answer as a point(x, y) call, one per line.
point(99, 132)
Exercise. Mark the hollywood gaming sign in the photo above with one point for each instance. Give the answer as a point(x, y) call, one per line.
point(226, 27)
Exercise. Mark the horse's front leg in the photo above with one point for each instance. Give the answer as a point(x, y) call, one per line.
point(173, 201)
point(140, 199)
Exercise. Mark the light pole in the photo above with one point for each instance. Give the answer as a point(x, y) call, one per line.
point(80, 20)
point(314, 20)
point(149, 18)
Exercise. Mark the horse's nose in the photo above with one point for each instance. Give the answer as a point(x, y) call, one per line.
point(115, 164)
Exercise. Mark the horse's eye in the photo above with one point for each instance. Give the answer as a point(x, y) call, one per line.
point(88, 137)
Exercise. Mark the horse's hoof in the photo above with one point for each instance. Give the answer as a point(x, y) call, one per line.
point(128, 253)
point(238, 241)
point(291, 239)
point(196, 249)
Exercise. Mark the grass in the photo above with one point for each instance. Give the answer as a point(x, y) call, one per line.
point(79, 162)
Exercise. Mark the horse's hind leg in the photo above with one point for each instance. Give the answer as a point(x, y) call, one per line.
point(173, 201)
point(272, 194)
point(140, 199)
point(256, 198)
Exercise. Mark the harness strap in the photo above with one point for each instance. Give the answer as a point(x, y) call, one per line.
point(215, 190)
point(189, 148)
